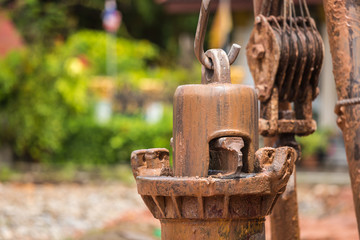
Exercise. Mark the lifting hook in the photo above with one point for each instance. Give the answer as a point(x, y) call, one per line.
point(200, 36)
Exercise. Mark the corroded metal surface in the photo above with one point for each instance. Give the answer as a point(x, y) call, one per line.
point(222, 202)
point(200, 37)
point(221, 185)
point(157, 160)
point(285, 54)
point(206, 112)
point(343, 23)
point(226, 156)
point(263, 56)
point(214, 230)
point(212, 205)
point(284, 218)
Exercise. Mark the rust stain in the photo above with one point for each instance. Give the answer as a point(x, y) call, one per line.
point(285, 55)
point(343, 24)
point(221, 185)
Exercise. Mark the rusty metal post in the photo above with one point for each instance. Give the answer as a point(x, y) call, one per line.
point(343, 24)
point(284, 216)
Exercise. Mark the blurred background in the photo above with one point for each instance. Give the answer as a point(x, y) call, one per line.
point(83, 83)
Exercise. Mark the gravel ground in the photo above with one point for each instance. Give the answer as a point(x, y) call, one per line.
point(42, 212)
point(116, 212)
point(327, 212)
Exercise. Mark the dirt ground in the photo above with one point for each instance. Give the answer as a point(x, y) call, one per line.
point(114, 211)
point(326, 212)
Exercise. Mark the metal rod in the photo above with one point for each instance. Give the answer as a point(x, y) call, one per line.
point(200, 37)
point(200, 34)
point(343, 24)
point(284, 217)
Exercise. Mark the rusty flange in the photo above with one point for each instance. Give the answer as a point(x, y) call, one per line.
point(250, 195)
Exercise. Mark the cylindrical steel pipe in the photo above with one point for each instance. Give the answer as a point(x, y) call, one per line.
point(229, 229)
point(343, 23)
point(284, 217)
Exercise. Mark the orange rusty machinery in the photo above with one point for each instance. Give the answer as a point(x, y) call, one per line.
point(285, 54)
point(221, 186)
point(343, 25)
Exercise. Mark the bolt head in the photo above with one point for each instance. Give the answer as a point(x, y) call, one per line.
point(258, 51)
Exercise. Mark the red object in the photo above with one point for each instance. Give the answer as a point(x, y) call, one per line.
point(9, 38)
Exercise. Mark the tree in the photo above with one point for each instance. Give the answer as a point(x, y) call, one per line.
point(46, 21)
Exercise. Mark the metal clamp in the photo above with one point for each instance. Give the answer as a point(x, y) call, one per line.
point(200, 36)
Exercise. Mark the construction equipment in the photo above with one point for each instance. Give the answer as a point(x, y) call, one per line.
point(221, 185)
point(285, 54)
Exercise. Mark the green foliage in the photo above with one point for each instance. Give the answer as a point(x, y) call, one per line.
point(31, 112)
point(8, 174)
point(135, 63)
point(113, 142)
point(40, 22)
point(131, 55)
point(50, 21)
point(46, 109)
point(314, 143)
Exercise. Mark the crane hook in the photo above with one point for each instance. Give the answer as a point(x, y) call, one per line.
point(200, 36)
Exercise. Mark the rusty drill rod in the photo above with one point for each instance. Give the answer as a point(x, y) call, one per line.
point(343, 24)
point(284, 216)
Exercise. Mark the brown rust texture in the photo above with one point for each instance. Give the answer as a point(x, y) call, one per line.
point(221, 185)
point(284, 217)
point(213, 230)
point(247, 196)
point(206, 112)
point(150, 162)
point(257, 6)
point(343, 23)
point(285, 54)
point(226, 155)
point(263, 65)
point(266, 7)
point(212, 207)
